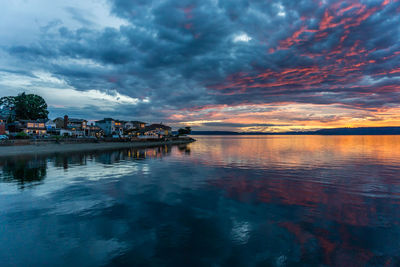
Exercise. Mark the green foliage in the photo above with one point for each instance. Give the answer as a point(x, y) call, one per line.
point(22, 135)
point(7, 103)
point(25, 106)
point(184, 131)
point(30, 107)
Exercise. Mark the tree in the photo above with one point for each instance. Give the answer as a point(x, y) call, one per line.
point(7, 102)
point(30, 107)
point(24, 107)
point(184, 131)
point(7, 107)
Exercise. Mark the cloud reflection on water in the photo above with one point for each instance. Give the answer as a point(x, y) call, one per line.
point(237, 201)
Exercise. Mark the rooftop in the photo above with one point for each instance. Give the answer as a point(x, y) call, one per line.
point(77, 120)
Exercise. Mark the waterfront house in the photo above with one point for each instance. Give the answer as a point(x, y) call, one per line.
point(67, 123)
point(134, 128)
point(128, 125)
point(139, 125)
point(157, 131)
point(70, 126)
point(110, 126)
point(33, 127)
point(94, 131)
point(77, 124)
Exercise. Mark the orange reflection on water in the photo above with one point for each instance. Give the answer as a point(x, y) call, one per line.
point(334, 183)
point(296, 151)
point(338, 172)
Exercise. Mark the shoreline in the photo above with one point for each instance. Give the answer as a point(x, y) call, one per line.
point(43, 149)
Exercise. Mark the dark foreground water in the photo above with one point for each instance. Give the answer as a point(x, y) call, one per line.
point(222, 201)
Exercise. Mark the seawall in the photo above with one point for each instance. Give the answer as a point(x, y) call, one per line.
point(9, 151)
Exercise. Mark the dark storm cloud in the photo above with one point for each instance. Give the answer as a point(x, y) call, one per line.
point(19, 72)
point(193, 53)
point(92, 112)
point(349, 42)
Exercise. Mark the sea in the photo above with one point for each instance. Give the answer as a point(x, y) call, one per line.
point(220, 201)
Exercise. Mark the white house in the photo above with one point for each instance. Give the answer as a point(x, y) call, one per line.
point(66, 132)
point(111, 126)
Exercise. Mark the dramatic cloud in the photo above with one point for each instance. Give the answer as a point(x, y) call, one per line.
point(214, 64)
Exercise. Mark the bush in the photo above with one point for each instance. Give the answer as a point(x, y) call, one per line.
point(22, 135)
point(184, 131)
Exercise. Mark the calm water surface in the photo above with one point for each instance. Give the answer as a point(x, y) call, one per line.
point(221, 201)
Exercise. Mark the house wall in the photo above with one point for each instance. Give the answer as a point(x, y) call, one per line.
point(128, 125)
point(118, 128)
point(131, 125)
point(64, 132)
point(34, 131)
point(59, 123)
point(35, 125)
point(35, 128)
point(107, 127)
point(80, 125)
point(2, 129)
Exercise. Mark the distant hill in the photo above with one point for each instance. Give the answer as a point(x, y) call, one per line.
point(334, 131)
point(360, 131)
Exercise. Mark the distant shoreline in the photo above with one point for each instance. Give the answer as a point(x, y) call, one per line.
point(333, 131)
point(11, 151)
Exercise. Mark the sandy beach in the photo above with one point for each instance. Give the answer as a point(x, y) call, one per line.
point(8, 151)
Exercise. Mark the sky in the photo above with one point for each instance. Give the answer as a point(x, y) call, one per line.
point(231, 65)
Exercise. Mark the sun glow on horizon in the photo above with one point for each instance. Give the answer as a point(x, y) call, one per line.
point(286, 117)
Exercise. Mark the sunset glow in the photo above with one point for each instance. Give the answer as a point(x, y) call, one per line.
point(268, 66)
